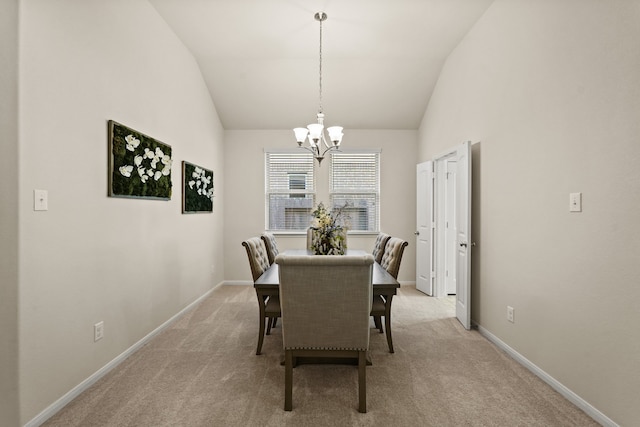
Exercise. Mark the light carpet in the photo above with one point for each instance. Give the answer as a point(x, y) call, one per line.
point(203, 371)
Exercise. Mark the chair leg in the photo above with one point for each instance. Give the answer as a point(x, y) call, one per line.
point(378, 323)
point(275, 321)
point(260, 336)
point(269, 322)
point(288, 380)
point(362, 381)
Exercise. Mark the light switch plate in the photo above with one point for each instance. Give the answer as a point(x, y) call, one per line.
point(575, 202)
point(40, 200)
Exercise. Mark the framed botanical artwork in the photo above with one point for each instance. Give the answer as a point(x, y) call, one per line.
point(139, 166)
point(197, 189)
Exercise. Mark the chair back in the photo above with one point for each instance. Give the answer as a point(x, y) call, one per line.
point(271, 245)
point(258, 258)
point(309, 237)
point(325, 301)
point(393, 255)
point(378, 247)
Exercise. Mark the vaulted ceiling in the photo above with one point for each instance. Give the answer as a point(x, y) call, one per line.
point(381, 58)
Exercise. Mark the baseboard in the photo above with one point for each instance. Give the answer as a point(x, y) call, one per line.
point(238, 282)
point(555, 384)
point(84, 385)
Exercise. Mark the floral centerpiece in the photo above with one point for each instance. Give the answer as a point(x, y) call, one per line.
point(328, 231)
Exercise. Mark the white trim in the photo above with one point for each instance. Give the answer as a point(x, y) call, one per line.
point(555, 384)
point(56, 406)
point(404, 283)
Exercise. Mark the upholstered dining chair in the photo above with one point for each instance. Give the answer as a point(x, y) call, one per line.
point(259, 263)
point(309, 237)
point(390, 261)
point(392, 256)
point(272, 246)
point(378, 247)
point(326, 301)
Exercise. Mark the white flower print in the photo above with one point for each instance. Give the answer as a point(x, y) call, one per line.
point(132, 142)
point(126, 170)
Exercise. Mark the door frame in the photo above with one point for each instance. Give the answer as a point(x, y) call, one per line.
point(462, 156)
point(440, 246)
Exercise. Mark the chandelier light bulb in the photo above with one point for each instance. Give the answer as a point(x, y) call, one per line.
point(301, 134)
point(335, 134)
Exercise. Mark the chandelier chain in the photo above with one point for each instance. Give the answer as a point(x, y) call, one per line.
point(320, 89)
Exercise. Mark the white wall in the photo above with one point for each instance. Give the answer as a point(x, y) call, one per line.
point(130, 263)
point(9, 406)
point(551, 89)
point(244, 214)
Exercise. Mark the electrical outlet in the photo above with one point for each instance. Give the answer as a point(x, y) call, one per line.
point(98, 331)
point(510, 313)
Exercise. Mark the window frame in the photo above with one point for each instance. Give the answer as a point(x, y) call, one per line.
point(376, 193)
point(298, 194)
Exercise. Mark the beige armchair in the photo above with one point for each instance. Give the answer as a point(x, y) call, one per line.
point(391, 262)
point(326, 301)
point(269, 305)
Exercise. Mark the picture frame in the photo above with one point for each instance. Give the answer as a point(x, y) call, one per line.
point(139, 165)
point(197, 189)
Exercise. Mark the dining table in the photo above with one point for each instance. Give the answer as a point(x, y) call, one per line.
point(384, 284)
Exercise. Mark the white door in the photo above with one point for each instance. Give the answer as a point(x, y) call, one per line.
point(424, 227)
point(450, 232)
point(463, 226)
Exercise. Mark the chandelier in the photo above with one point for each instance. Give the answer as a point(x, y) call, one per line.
point(318, 144)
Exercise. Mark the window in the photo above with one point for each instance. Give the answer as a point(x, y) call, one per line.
point(355, 187)
point(297, 181)
point(290, 192)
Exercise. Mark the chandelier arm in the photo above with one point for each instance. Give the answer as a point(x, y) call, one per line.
point(333, 147)
point(324, 140)
point(315, 152)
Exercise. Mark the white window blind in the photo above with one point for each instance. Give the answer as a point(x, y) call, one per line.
point(355, 187)
point(289, 190)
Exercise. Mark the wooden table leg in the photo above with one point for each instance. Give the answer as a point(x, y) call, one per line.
point(261, 304)
point(387, 321)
